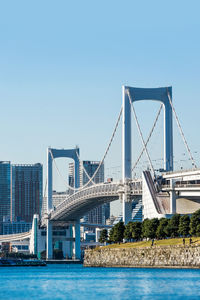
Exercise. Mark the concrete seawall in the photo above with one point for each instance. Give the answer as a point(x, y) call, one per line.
point(157, 256)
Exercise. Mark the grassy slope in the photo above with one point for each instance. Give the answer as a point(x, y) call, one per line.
point(167, 242)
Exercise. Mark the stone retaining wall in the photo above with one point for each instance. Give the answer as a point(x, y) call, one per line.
point(163, 256)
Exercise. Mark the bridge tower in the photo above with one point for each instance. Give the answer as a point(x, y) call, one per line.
point(138, 94)
point(56, 153)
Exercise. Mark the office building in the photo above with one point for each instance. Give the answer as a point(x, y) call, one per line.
point(99, 214)
point(57, 198)
point(91, 167)
point(5, 191)
point(26, 192)
point(16, 227)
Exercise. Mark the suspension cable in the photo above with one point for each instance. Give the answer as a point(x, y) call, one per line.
point(84, 170)
point(100, 164)
point(58, 171)
point(181, 130)
point(140, 132)
point(108, 148)
point(150, 134)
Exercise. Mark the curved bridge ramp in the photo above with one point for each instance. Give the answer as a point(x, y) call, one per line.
point(15, 237)
point(80, 203)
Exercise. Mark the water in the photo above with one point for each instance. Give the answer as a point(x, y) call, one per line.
point(77, 282)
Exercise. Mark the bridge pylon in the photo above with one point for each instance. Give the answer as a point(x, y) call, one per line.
point(52, 154)
point(138, 94)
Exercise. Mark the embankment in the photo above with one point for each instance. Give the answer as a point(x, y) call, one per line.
point(156, 256)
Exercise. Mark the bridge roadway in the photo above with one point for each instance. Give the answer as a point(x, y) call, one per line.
point(77, 205)
point(15, 237)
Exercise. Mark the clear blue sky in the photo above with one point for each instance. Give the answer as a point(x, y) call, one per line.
point(62, 65)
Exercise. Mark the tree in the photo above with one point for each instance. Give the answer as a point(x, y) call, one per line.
point(198, 230)
point(118, 233)
point(149, 228)
point(172, 228)
point(111, 235)
point(184, 225)
point(136, 230)
point(127, 232)
point(194, 222)
point(145, 225)
point(161, 232)
point(133, 230)
point(103, 236)
point(153, 225)
point(167, 228)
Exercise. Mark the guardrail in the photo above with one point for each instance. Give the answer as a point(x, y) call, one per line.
point(100, 190)
point(15, 237)
point(167, 186)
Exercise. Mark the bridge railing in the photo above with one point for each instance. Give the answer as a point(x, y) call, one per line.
point(181, 185)
point(102, 189)
point(16, 236)
point(99, 189)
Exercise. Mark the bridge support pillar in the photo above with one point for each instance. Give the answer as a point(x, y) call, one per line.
point(77, 240)
point(49, 180)
point(49, 245)
point(172, 197)
point(126, 153)
point(34, 235)
point(35, 224)
point(71, 242)
point(126, 210)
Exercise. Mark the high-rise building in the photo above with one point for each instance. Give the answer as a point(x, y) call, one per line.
point(5, 191)
point(57, 198)
point(71, 174)
point(91, 167)
point(26, 191)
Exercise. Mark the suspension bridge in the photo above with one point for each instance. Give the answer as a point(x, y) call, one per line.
point(160, 194)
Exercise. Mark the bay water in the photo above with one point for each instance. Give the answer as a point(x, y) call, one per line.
point(78, 282)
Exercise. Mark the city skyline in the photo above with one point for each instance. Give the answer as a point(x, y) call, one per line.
point(62, 84)
point(100, 154)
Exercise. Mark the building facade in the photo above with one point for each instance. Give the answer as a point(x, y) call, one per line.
point(91, 167)
point(5, 192)
point(99, 214)
point(26, 192)
point(16, 227)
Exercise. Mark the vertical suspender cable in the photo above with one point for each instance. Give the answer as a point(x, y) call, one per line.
point(150, 134)
point(100, 164)
point(140, 132)
point(181, 131)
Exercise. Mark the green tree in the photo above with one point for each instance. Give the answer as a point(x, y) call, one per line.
point(149, 228)
point(111, 235)
point(194, 222)
point(198, 230)
point(127, 231)
point(145, 225)
point(136, 230)
point(161, 232)
point(103, 236)
point(133, 230)
point(118, 234)
point(167, 229)
point(184, 225)
point(172, 228)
